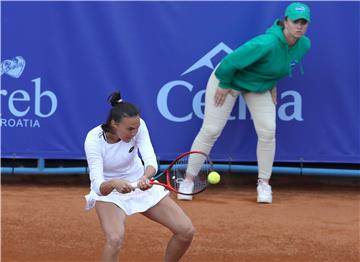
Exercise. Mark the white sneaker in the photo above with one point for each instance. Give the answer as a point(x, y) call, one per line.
point(264, 193)
point(185, 187)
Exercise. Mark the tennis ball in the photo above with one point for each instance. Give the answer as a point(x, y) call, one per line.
point(214, 177)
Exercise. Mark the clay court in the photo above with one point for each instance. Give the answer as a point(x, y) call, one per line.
point(311, 219)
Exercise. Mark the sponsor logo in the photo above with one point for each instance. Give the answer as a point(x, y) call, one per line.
point(206, 60)
point(294, 63)
point(289, 105)
point(13, 67)
point(25, 108)
point(131, 149)
point(300, 9)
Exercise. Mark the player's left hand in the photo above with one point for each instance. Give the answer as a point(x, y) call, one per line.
point(143, 183)
point(274, 95)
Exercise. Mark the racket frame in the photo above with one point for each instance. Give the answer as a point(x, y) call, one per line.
point(167, 172)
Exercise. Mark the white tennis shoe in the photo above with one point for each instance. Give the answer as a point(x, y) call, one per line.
point(186, 186)
point(264, 193)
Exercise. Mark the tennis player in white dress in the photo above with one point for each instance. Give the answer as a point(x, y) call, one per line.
point(112, 152)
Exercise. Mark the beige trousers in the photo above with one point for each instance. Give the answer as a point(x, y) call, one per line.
point(263, 113)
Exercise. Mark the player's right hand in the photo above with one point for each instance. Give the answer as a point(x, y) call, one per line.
point(122, 186)
point(220, 96)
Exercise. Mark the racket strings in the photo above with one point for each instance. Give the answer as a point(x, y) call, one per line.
point(195, 166)
point(178, 173)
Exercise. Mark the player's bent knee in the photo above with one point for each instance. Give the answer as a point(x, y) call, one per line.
point(211, 132)
point(266, 135)
point(115, 241)
point(186, 232)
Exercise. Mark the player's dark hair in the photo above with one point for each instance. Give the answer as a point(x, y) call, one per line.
point(281, 22)
point(119, 110)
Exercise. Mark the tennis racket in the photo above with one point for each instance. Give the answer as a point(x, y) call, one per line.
point(186, 175)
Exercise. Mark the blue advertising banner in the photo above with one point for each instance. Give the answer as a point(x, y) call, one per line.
point(61, 60)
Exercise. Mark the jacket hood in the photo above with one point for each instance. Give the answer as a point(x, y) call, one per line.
point(277, 31)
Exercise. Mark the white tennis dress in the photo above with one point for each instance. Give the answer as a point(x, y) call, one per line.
point(121, 160)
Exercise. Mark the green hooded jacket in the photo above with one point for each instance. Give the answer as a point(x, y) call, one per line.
point(257, 65)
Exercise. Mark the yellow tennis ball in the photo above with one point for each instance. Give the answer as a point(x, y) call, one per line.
point(214, 177)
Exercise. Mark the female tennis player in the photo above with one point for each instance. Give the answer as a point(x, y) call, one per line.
point(112, 155)
point(252, 70)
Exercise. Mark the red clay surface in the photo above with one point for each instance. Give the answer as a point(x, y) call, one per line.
point(306, 222)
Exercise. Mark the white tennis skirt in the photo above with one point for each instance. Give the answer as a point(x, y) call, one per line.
point(135, 202)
